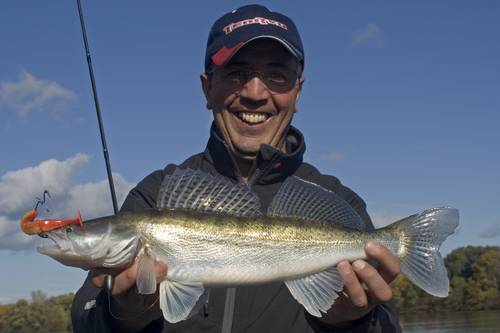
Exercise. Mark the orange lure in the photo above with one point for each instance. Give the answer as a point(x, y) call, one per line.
point(30, 226)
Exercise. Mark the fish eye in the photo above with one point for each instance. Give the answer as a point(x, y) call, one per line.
point(43, 235)
point(69, 229)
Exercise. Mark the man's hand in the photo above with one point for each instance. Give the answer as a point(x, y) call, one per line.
point(125, 279)
point(125, 302)
point(364, 285)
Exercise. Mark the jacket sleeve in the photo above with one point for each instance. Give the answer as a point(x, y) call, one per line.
point(90, 308)
point(382, 319)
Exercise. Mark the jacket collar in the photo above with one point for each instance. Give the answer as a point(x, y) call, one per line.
point(270, 166)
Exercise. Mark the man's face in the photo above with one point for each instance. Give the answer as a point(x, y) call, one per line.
point(254, 109)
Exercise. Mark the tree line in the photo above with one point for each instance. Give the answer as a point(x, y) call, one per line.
point(41, 314)
point(474, 273)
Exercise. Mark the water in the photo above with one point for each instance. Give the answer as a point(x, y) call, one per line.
point(453, 322)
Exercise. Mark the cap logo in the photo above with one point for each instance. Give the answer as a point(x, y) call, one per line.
point(256, 20)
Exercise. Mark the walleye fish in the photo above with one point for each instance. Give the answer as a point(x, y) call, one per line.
point(211, 232)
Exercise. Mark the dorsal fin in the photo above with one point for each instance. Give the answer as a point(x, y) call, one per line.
point(298, 198)
point(196, 190)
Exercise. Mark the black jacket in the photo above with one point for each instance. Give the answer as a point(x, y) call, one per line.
point(263, 308)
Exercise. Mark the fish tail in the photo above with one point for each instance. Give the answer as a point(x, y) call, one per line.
point(421, 236)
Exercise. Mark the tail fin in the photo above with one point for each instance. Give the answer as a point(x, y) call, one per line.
point(421, 261)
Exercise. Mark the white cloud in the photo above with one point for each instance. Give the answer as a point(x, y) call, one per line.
point(94, 199)
point(19, 189)
point(382, 218)
point(22, 186)
point(491, 232)
point(30, 93)
point(371, 34)
point(332, 158)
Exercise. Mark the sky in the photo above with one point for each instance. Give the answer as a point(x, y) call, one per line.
point(401, 102)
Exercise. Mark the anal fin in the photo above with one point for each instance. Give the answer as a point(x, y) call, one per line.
point(317, 292)
point(177, 299)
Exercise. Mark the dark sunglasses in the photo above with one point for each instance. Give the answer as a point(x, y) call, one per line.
point(277, 80)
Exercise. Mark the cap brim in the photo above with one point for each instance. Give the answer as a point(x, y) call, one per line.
point(221, 57)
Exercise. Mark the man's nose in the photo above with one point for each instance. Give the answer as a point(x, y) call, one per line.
point(255, 90)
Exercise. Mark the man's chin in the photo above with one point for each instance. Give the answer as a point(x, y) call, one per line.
point(247, 153)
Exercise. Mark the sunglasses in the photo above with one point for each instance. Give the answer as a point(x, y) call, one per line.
point(277, 80)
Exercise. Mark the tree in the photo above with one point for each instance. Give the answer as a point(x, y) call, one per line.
point(43, 314)
point(474, 273)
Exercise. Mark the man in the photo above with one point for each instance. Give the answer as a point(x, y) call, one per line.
point(252, 81)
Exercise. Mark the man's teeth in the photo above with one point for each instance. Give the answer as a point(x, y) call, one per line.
point(252, 118)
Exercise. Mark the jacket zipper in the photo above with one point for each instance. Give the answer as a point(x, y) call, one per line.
point(227, 321)
point(205, 305)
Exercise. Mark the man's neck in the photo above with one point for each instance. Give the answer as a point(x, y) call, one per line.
point(245, 165)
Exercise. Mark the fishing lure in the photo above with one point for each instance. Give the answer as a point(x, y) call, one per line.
point(31, 226)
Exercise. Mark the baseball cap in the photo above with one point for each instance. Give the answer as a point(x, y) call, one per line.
point(240, 26)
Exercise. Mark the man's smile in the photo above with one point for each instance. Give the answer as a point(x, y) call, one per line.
point(252, 118)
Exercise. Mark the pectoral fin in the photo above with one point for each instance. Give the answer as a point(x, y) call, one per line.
point(177, 299)
point(146, 273)
point(317, 292)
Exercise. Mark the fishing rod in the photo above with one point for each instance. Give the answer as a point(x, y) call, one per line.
point(98, 110)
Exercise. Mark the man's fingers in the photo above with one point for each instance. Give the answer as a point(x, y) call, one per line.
point(125, 279)
point(376, 285)
point(389, 264)
point(352, 286)
point(98, 280)
point(98, 276)
point(161, 270)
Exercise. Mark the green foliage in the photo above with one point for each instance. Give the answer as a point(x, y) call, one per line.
point(474, 273)
point(42, 314)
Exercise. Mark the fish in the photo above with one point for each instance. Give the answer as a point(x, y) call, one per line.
point(213, 232)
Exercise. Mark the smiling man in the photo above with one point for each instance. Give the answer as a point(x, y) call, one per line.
point(252, 80)
point(253, 96)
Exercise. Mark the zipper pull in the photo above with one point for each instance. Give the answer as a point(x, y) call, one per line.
point(205, 305)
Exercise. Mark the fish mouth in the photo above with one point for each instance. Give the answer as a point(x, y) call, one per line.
point(51, 245)
point(86, 250)
point(62, 248)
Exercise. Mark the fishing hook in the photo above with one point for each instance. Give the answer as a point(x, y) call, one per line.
point(42, 201)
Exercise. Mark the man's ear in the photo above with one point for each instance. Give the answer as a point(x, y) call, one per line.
point(205, 85)
point(301, 82)
point(302, 78)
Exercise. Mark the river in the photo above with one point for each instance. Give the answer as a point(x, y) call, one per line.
point(452, 322)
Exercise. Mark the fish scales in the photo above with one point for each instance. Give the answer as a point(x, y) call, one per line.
point(218, 249)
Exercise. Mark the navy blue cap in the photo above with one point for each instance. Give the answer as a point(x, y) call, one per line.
point(233, 30)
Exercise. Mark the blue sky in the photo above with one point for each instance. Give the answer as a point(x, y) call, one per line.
point(401, 102)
